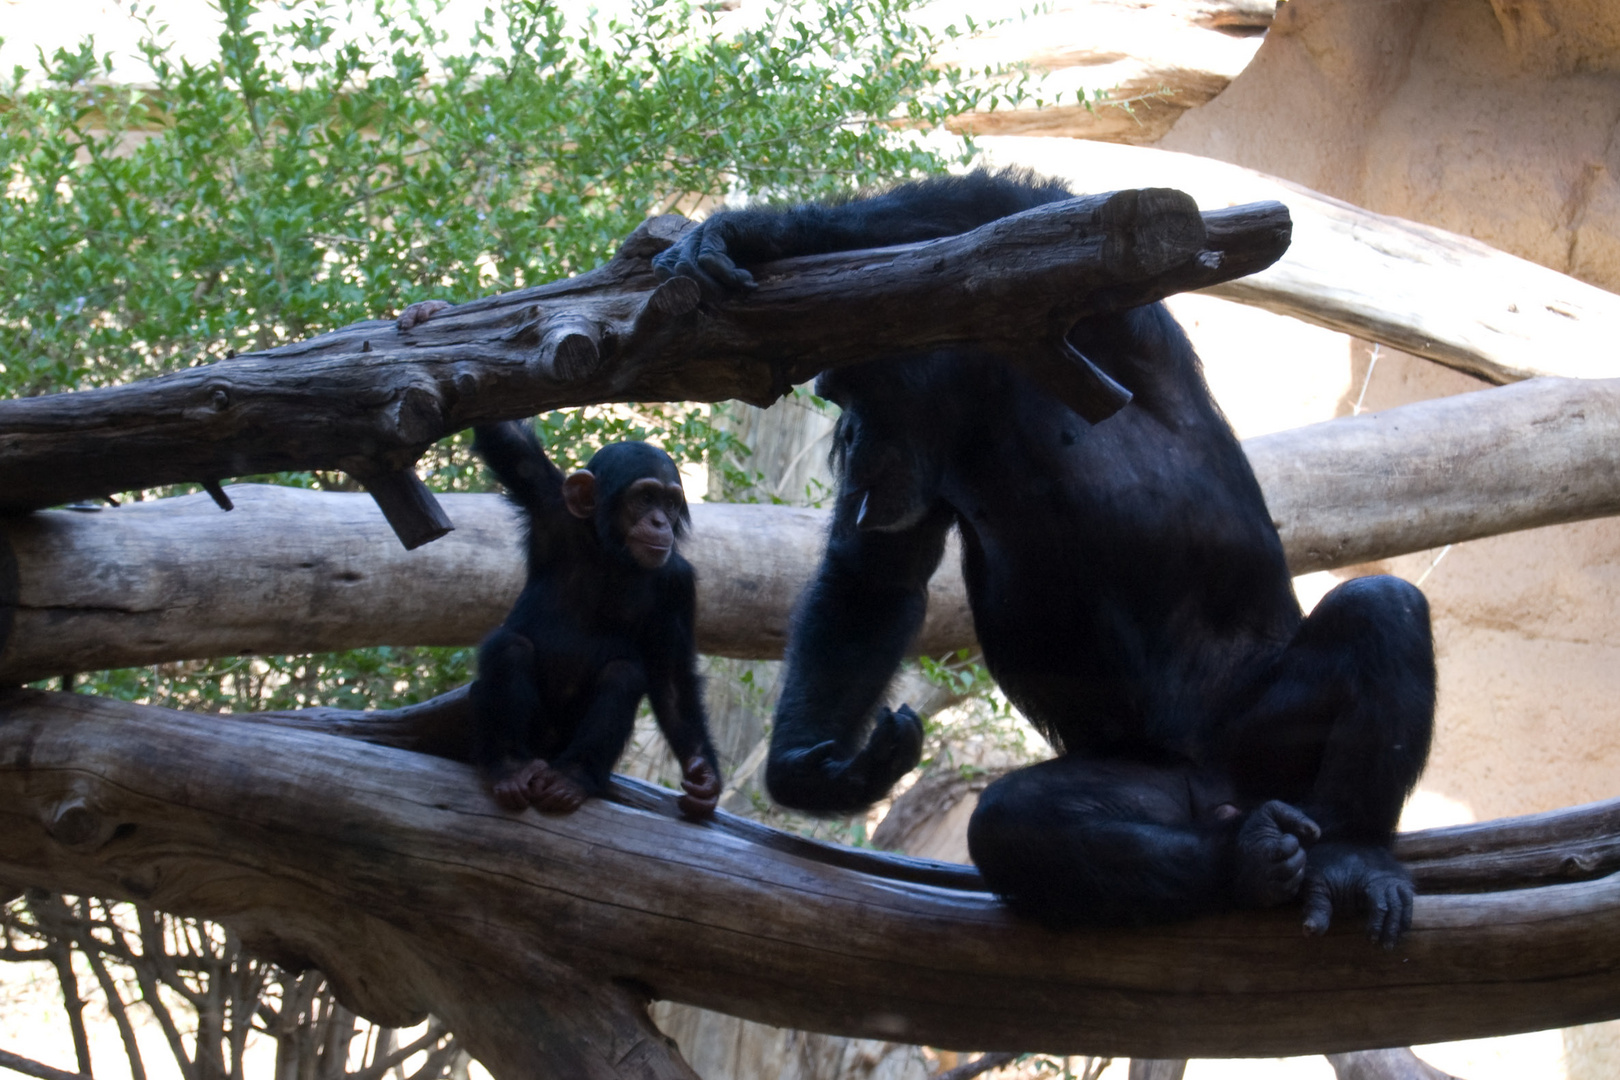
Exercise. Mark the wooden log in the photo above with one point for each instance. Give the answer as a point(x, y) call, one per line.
point(301, 571)
point(1443, 471)
point(292, 570)
point(1160, 58)
point(1407, 285)
point(397, 876)
point(370, 398)
point(1394, 1064)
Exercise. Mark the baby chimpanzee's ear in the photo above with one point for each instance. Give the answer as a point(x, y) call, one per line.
point(579, 494)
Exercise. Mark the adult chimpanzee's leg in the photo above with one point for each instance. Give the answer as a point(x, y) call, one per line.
point(1111, 842)
point(1342, 730)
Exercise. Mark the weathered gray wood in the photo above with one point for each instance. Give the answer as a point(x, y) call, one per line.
point(395, 873)
point(291, 570)
point(1443, 471)
point(1402, 283)
point(299, 571)
point(1576, 843)
point(370, 398)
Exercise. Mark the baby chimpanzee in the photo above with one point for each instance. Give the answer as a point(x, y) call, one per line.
point(604, 619)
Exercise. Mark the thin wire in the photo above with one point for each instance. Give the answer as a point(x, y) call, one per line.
point(1419, 582)
point(1355, 410)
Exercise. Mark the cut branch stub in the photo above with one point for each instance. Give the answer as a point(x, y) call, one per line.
point(377, 392)
point(1150, 230)
point(1071, 377)
point(409, 506)
point(570, 350)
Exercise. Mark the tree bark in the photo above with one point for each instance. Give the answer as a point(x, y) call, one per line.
point(370, 398)
point(301, 571)
point(539, 938)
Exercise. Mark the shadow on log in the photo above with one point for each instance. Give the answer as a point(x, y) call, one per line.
point(539, 939)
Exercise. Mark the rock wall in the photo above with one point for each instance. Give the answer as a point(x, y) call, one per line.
point(1498, 120)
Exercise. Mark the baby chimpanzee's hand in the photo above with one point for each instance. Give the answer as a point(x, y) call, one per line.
point(701, 783)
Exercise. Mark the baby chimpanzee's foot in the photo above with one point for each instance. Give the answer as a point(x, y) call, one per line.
point(555, 791)
point(1269, 855)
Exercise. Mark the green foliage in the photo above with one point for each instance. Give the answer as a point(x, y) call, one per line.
point(309, 178)
point(334, 164)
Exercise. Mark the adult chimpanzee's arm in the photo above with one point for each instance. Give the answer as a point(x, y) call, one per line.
point(849, 634)
point(715, 251)
point(677, 696)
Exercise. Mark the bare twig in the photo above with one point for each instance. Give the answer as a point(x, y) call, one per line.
point(30, 1067)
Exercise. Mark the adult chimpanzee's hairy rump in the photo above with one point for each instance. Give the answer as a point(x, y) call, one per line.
point(1216, 746)
point(604, 619)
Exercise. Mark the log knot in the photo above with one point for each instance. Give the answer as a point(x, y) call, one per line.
point(570, 350)
point(1578, 865)
point(75, 823)
point(652, 236)
point(419, 415)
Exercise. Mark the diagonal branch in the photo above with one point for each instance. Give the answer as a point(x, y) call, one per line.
point(368, 399)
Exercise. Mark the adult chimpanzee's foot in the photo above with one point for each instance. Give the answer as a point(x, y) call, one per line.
point(1365, 877)
point(1270, 855)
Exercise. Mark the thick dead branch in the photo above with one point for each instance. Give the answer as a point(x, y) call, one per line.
point(1438, 472)
point(1408, 285)
point(1160, 59)
point(292, 570)
point(539, 937)
point(370, 398)
point(301, 571)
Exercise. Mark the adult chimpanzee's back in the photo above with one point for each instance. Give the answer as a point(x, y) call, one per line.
point(1216, 747)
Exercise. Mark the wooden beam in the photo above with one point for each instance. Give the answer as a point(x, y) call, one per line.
point(397, 875)
point(302, 571)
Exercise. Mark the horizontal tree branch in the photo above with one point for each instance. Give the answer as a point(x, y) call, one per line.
point(398, 876)
point(370, 398)
point(301, 571)
point(1402, 283)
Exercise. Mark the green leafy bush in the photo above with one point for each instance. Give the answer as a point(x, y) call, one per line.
point(326, 168)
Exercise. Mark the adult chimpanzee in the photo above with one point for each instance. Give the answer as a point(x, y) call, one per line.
point(1216, 747)
point(604, 620)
